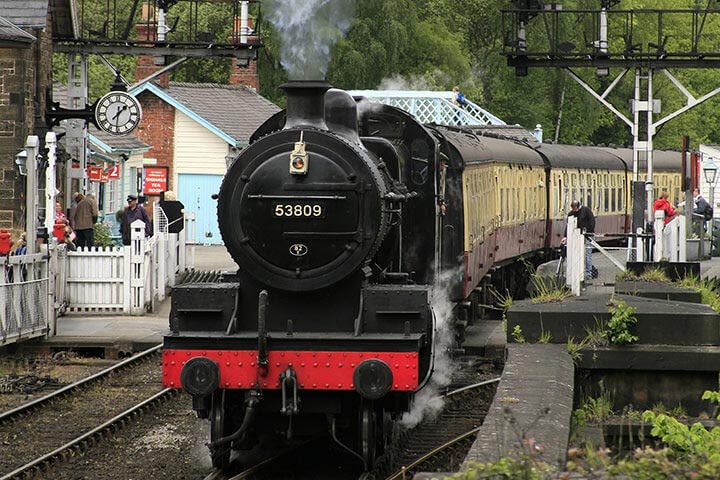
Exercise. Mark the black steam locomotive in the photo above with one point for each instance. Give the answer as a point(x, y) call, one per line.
point(333, 215)
point(345, 217)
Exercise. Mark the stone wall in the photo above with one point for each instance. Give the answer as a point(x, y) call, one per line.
point(17, 75)
point(25, 75)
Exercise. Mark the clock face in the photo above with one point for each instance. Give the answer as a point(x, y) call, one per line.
point(118, 113)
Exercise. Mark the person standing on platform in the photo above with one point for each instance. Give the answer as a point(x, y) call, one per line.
point(662, 203)
point(174, 211)
point(586, 224)
point(59, 214)
point(86, 214)
point(133, 212)
point(702, 209)
point(77, 196)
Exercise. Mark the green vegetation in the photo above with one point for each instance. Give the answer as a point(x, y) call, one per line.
point(102, 235)
point(545, 337)
point(435, 44)
point(648, 275)
point(597, 409)
point(574, 348)
point(688, 451)
point(617, 330)
point(706, 288)
point(544, 293)
point(502, 302)
point(517, 334)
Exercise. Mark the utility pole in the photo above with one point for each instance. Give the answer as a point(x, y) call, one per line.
point(555, 47)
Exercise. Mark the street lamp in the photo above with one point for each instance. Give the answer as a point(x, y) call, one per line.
point(21, 161)
point(710, 170)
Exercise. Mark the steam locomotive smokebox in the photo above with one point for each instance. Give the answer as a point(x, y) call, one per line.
point(396, 308)
point(202, 306)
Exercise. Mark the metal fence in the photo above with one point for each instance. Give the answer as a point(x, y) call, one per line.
point(25, 306)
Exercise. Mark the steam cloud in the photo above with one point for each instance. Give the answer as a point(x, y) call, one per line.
point(435, 80)
point(309, 29)
point(428, 402)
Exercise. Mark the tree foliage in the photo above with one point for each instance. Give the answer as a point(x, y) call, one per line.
point(435, 44)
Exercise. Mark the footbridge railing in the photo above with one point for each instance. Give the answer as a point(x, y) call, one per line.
point(431, 107)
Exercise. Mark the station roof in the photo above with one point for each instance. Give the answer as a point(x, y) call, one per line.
point(25, 13)
point(12, 33)
point(233, 112)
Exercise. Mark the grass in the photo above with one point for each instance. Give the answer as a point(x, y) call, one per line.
point(574, 348)
point(648, 275)
point(545, 293)
point(598, 409)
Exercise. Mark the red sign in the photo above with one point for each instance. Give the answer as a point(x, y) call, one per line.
point(154, 180)
point(114, 172)
point(94, 173)
point(99, 174)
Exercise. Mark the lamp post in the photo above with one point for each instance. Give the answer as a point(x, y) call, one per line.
point(710, 170)
point(20, 162)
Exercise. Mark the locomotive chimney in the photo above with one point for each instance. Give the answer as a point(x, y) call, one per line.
point(305, 103)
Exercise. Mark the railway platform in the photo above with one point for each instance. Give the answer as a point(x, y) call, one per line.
point(488, 338)
point(121, 335)
point(534, 400)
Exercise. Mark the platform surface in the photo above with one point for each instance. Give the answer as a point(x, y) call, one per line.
point(135, 332)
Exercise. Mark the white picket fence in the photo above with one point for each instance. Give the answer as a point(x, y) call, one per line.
point(35, 289)
point(128, 279)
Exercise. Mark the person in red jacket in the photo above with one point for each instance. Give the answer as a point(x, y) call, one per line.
point(663, 204)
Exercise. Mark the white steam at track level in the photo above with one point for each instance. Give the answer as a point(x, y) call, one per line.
point(309, 29)
point(428, 402)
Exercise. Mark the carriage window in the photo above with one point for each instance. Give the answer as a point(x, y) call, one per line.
point(621, 193)
point(506, 205)
point(607, 200)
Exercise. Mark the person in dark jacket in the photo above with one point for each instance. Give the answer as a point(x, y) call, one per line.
point(586, 224)
point(84, 218)
point(701, 208)
point(174, 211)
point(131, 213)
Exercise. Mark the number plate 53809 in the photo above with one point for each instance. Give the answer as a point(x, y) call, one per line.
point(299, 210)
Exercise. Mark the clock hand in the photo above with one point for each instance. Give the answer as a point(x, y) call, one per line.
point(119, 111)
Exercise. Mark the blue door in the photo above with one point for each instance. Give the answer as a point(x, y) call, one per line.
point(195, 191)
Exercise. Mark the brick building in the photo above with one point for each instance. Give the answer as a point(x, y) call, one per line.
point(25, 75)
point(193, 130)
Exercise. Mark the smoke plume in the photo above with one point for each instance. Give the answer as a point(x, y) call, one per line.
point(308, 29)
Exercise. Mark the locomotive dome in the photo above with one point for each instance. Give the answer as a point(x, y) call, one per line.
point(302, 208)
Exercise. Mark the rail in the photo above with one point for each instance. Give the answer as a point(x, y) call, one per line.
point(46, 399)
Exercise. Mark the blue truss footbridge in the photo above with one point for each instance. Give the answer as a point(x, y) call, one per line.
point(431, 107)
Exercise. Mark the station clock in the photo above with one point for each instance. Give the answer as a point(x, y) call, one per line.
point(118, 113)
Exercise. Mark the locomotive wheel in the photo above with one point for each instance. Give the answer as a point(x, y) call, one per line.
point(220, 426)
point(371, 428)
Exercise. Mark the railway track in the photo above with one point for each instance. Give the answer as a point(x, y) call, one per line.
point(466, 401)
point(308, 460)
point(440, 443)
point(44, 431)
